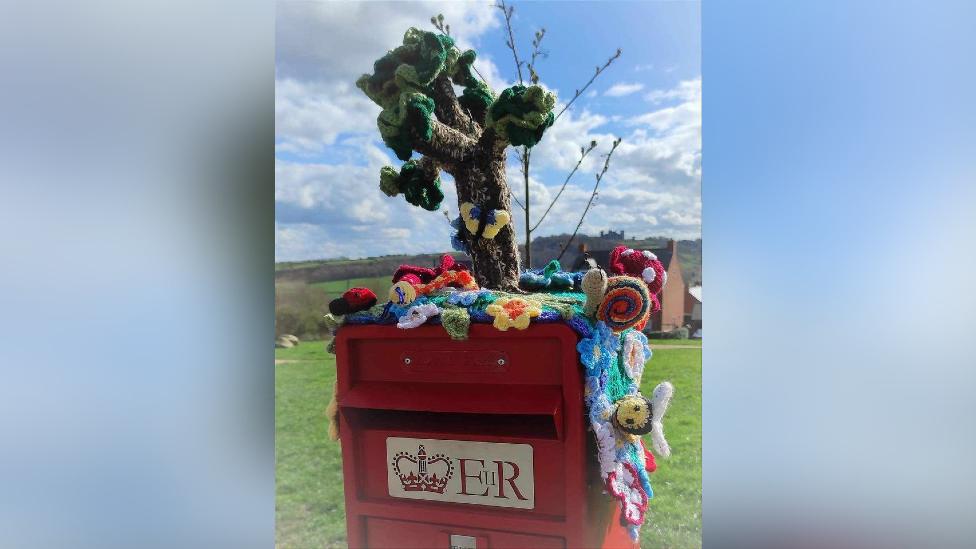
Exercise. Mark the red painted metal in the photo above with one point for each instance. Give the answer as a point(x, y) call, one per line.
point(522, 387)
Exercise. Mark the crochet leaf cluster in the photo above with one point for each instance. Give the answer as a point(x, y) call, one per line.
point(416, 186)
point(522, 114)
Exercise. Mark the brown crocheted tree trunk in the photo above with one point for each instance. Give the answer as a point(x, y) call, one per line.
point(476, 159)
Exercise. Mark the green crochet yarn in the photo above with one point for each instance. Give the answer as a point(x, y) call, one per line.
point(456, 321)
point(411, 116)
point(522, 114)
point(388, 180)
point(411, 181)
point(409, 68)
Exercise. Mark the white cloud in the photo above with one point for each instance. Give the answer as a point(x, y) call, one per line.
point(621, 89)
point(642, 68)
point(328, 210)
point(653, 186)
point(687, 90)
point(591, 94)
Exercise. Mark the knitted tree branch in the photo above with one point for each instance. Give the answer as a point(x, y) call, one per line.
point(466, 136)
point(448, 109)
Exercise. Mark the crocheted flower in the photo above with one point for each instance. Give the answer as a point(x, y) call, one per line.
point(403, 293)
point(467, 298)
point(461, 279)
point(636, 353)
point(598, 352)
point(625, 485)
point(417, 315)
point(513, 312)
point(606, 447)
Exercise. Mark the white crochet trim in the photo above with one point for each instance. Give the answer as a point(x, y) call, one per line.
point(659, 406)
point(627, 252)
point(648, 274)
point(649, 255)
point(417, 315)
point(664, 278)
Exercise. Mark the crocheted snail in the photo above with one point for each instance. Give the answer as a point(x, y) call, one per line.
point(594, 285)
point(626, 304)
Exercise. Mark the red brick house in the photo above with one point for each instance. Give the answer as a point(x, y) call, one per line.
point(672, 313)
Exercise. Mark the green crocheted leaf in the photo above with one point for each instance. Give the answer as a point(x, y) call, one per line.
point(413, 183)
point(409, 68)
point(411, 116)
point(522, 114)
point(388, 180)
point(456, 322)
point(462, 75)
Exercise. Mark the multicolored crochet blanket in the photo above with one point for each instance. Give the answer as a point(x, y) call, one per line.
point(606, 313)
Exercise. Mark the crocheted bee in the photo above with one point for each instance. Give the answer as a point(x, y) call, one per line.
point(633, 414)
point(638, 415)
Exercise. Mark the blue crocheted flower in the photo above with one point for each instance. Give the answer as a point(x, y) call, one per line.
point(598, 352)
point(459, 244)
point(467, 298)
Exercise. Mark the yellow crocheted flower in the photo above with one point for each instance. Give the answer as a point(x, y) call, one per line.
point(513, 312)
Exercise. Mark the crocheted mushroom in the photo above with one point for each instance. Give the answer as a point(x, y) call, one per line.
point(353, 300)
point(644, 265)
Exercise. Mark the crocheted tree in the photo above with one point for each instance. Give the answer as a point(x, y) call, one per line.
point(465, 136)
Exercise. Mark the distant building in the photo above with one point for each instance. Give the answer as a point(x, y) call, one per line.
point(693, 308)
point(672, 313)
point(612, 235)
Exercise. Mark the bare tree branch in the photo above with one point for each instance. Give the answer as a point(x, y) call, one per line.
point(580, 91)
point(536, 52)
point(516, 200)
point(599, 177)
point(508, 10)
point(583, 152)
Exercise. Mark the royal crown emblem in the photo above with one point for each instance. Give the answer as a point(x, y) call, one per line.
point(422, 473)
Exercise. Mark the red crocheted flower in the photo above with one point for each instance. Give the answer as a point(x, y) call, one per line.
point(625, 485)
point(422, 275)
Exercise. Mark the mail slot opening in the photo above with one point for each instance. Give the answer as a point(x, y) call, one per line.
point(537, 426)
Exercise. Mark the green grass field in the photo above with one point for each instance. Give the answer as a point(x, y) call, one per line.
point(309, 502)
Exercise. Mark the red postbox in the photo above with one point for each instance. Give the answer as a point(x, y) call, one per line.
point(469, 444)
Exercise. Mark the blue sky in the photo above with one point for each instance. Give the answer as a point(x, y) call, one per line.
point(328, 152)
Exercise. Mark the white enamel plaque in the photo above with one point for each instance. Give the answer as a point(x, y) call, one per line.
point(460, 471)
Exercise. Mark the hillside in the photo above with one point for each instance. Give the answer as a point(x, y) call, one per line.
point(543, 249)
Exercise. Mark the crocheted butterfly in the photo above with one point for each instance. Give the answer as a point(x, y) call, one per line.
point(495, 220)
